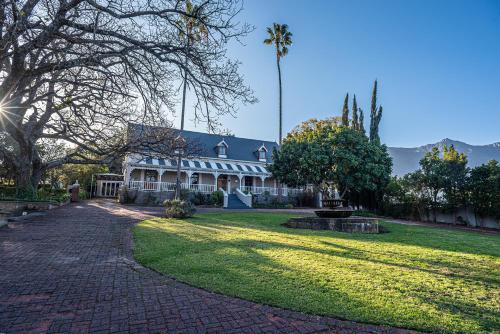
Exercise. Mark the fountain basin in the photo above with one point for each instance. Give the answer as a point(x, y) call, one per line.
point(350, 225)
point(342, 212)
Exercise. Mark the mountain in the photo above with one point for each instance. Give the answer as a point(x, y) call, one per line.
point(406, 160)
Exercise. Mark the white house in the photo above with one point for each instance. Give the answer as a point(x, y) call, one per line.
point(228, 163)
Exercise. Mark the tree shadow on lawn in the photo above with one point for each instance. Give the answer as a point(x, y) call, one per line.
point(467, 271)
point(271, 274)
point(469, 242)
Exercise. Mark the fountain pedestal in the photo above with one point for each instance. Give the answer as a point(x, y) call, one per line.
point(337, 218)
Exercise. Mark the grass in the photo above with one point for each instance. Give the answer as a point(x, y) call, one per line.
point(415, 277)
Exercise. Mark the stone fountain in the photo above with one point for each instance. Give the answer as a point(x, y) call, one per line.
point(337, 217)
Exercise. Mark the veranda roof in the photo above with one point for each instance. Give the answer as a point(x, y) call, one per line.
point(207, 166)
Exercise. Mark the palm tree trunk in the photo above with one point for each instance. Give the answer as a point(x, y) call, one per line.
point(280, 120)
point(280, 111)
point(179, 157)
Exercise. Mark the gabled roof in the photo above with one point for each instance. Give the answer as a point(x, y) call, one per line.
point(238, 148)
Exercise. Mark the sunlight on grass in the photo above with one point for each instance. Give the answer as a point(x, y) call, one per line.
point(415, 277)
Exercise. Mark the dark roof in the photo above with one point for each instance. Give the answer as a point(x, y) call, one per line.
point(238, 148)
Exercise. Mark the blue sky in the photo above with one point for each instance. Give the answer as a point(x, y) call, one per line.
point(437, 62)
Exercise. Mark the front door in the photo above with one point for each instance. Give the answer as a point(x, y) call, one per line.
point(222, 182)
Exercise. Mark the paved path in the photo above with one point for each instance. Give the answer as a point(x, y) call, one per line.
point(72, 271)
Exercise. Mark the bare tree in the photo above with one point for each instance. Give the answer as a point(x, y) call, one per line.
point(78, 71)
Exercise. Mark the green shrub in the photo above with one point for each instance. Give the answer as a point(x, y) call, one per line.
point(217, 198)
point(83, 194)
point(7, 192)
point(178, 209)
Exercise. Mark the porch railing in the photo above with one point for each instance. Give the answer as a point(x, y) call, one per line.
point(206, 188)
point(170, 186)
point(285, 191)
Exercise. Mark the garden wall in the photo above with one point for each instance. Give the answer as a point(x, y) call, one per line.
point(466, 216)
point(463, 216)
point(16, 207)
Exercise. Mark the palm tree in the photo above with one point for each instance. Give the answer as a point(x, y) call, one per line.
point(281, 38)
point(191, 31)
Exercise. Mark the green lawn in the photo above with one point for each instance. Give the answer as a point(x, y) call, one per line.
point(422, 278)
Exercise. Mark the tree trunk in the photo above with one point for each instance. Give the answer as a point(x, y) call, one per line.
point(26, 184)
point(280, 105)
point(179, 157)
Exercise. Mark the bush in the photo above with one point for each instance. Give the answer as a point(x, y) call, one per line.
point(217, 198)
point(178, 209)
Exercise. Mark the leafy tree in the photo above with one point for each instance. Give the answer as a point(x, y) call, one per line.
point(355, 121)
point(345, 111)
point(484, 189)
point(375, 116)
point(455, 177)
point(323, 153)
point(79, 71)
point(282, 39)
point(433, 174)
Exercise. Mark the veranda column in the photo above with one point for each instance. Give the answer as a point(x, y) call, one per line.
point(262, 179)
point(240, 177)
point(189, 174)
point(160, 173)
point(143, 178)
point(216, 176)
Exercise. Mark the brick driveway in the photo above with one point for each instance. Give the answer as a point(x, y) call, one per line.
point(72, 271)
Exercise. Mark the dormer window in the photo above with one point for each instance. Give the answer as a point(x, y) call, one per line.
point(262, 152)
point(222, 149)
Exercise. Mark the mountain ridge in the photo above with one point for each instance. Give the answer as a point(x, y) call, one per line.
point(406, 159)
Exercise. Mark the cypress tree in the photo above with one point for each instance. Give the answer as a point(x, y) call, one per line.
point(375, 116)
point(345, 111)
point(355, 124)
point(361, 121)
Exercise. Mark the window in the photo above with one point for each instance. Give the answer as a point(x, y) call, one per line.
point(262, 154)
point(195, 178)
point(222, 150)
point(150, 176)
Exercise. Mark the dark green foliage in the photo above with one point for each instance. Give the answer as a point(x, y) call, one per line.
point(484, 189)
point(444, 183)
point(355, 121)
point(319, 151)
point(361, 121)
point(216, 198)
point(455, 178)
point(375, 116)
point(345, 111)
point(178, 209)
